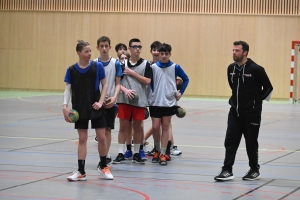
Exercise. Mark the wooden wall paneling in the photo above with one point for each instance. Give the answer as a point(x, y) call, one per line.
point(202, 44)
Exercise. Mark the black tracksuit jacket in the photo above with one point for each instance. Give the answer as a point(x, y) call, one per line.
point(250, 86)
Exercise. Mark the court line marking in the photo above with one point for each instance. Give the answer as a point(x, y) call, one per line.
point(254, 189)
point(290, 193)
point(193, 146)
point(295, 151)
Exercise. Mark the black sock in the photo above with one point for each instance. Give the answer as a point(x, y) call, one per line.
point(141, 147)
point(81, 164)
point(128, 146)
point(103, 162)
point(169, 146)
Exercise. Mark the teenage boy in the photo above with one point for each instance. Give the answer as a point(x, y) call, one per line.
point(113, 73)
point(171, 149)
point(163, 99)
point(120, 48)
point(82, 83)
point(137, 75)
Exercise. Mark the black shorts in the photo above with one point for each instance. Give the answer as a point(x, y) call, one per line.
point(110, 116)
point(159, 112)
point(96, 123)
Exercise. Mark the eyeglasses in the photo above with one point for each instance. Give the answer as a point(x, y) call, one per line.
point(136, 46)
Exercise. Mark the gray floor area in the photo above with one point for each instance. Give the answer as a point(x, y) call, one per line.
point(38, 150)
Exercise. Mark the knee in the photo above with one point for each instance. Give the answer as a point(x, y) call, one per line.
point(82, 140)
point(101, 140)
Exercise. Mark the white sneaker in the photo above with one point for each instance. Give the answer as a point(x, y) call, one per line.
point(106, 173)
point(175, 151)
point(145, 147)
point(96, 140)
point(77, 176)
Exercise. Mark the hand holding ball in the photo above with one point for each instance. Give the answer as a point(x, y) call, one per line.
point(180, 112)
point(74, 117)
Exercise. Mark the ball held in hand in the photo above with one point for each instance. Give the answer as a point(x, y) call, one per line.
point(180, 112)
point(74, 117)
point(134, 99)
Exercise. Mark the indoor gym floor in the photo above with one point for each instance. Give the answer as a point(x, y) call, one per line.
point(38, 150)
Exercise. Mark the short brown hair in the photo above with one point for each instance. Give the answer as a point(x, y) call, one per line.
point(81, 44)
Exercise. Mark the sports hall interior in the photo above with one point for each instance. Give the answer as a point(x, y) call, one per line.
point(38, 148)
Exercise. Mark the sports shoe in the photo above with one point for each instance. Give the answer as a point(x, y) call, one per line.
point(162, 160)
point(175, 151)
point(224, 175)
point(96, 140)
point(168, 157)
point(142, 155)
point(137, 159)
point(128, 154)
point(155, 158)
point(108, 160)
point(151, 153)
point(119, 159)
point(77, 176)
point(145, 147)
point(252, 175)
point(106, 173)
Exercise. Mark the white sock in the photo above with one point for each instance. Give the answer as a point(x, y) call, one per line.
point(136, 148)
point(121, 148)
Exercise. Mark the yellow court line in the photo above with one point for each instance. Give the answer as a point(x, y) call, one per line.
point(193, 146)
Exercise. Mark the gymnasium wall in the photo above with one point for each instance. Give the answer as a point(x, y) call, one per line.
point(38, 38)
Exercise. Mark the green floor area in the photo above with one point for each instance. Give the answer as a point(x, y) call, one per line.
point(5, 94)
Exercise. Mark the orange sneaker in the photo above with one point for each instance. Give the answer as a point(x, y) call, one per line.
point(168, 157)
point(162, 160)
point(155, 158)
point(106, 173)
point(77, 176)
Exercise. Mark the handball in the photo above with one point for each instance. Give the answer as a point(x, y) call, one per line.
point(74, 117)
point(135, 98)
point(180, 112)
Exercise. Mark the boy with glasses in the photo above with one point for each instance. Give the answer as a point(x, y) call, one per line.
point(137, 75)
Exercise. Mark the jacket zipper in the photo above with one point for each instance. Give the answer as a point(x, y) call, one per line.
point(237, 96)
point(254, 104)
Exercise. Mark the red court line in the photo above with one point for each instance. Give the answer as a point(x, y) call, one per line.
point(146, 197)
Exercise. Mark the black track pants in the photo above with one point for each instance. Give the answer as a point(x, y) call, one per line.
point(236, 126)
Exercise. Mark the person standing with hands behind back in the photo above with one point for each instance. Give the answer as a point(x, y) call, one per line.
point(82, 83)
point(250, 85)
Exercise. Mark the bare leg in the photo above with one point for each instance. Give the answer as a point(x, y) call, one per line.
point(129, 133)
point(165, 131)
point(102, 147)
point(136, 125)
point(124, 127)
point(156, 122)
point(148, 134)
point(108, 138)
point(83, 135)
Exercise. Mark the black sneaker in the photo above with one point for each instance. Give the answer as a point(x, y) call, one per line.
point(137, 159)
point(119, 159)
point(151, 153)
point(96, 140)
point(224, 175)
point(252, 175)
point(108, 160)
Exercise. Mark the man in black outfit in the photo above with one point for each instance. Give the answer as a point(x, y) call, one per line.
point(250, 85)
